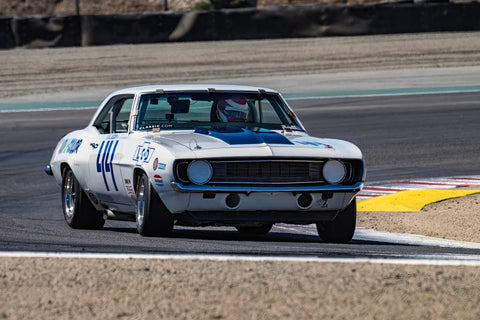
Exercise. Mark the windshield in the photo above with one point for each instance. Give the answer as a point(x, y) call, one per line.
point(190, 110)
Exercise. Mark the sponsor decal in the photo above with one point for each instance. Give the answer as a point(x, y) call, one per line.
point(314, 144)
point(157, 126)
point(143, 154)
point(158, 180)
point(130, 192)
point(158, 165)
point(129, 189)
point(104, 162)
point(324, 202)
point(70, 146)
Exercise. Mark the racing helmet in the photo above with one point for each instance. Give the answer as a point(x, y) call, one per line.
point(234, 109)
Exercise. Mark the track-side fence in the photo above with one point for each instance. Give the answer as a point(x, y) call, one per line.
point(234, 24)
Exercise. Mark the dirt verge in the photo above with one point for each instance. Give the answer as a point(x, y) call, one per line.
point(195, 289)
point(455, 219)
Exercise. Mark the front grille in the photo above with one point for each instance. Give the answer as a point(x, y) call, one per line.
point(267, 171)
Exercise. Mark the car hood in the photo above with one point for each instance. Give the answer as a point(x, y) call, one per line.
point(207, 142)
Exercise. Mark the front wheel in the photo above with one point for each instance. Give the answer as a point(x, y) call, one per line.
point(153, 218)
point(78, 211)
point(340, 229)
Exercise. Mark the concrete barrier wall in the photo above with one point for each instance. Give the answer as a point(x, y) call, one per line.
point(231, 24)
point(6, 35)
point(133, 28)
point(46, 31)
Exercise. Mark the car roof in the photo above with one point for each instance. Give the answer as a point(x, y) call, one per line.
point(192, 87)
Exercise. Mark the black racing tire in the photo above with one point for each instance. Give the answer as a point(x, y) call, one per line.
point(342, 228)
point(261, 229)
point(152, 217)
point(78, 211)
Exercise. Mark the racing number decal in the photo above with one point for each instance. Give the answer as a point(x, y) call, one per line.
point(104, 161)
point(143, 154)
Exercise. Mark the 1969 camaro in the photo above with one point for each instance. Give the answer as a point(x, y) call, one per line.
point(201, 155)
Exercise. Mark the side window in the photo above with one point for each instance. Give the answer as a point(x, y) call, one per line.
point(115, 117)
point(104, 125)
point(121, 121)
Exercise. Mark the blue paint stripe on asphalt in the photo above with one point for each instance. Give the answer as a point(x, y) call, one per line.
point(35, 106)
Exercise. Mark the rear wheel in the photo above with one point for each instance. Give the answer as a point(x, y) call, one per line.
point(261, 229)
point(153, 218)
point(78, 211)
point(342, 228)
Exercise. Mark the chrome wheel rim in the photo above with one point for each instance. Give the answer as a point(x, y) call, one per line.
point(140, 202)
point(69, 195)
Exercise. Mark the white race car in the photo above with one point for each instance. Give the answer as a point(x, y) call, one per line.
point(202, 155)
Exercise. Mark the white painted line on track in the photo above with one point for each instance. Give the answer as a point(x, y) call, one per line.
point(364, 234)
point(411, 239)
point(432, 260)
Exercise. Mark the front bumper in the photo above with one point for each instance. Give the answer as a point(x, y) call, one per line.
point(179, 187)
point(254, 217)
point(258, 200)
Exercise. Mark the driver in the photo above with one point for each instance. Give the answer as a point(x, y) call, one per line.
point(234, 109)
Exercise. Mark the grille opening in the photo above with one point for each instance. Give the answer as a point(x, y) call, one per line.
point(182, 174)
point(269, 171)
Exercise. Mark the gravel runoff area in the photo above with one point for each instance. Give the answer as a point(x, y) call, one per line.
point(44, 288)
point(53, 288)
point(26, 71)
point(454, 219)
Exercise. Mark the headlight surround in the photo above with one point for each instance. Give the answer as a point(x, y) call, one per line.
point(334, 171)
point(199, 171)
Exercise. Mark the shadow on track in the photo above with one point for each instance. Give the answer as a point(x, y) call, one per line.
point(233, 235)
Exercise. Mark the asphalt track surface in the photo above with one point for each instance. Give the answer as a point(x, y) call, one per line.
point(402, 137)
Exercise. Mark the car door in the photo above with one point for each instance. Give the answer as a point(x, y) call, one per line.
point(105, 172)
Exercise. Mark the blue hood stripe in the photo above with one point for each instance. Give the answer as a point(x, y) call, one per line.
point(235, 135)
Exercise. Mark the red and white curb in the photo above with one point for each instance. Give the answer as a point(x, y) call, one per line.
point(384, 188)
point(380, 189)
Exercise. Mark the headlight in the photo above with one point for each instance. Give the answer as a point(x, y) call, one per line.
point(334, 171)
point(199, 171)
